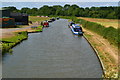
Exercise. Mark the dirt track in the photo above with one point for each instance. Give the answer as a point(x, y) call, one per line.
point(107, 52)
point(9, 32)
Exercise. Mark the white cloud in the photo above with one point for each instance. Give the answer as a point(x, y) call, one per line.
point(71, 3)
point(59, 0)
point(107, 5)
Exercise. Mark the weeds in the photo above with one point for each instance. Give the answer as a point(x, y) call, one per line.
point(8, 43)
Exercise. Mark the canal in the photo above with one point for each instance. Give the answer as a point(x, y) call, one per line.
point(53, 53)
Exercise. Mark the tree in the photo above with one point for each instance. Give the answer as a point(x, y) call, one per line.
point(111, 15)
point(24, 10)
point(11, 8)
point(71, 10)
point(66, 6)
point(74, 6)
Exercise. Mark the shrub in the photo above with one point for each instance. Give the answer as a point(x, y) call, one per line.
point(109, 33)
point(10, 42)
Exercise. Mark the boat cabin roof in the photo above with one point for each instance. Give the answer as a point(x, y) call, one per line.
point(76, 26)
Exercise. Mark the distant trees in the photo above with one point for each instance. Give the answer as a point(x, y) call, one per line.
point(11, 8)
point(25, 10)
point(71, 10)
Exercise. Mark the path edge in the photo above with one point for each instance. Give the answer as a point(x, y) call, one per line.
point(96, 52)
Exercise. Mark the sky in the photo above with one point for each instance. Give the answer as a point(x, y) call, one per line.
point(39, 4)
point(59, 0)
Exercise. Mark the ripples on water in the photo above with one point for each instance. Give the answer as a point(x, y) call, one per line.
point(54, 53)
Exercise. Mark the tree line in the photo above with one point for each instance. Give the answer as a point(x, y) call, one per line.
point(111, 12)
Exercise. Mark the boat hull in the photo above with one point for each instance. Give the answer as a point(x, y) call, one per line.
point(74, 32)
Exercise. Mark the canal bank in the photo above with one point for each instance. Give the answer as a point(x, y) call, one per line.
point(99, 44)
point(12, 37)
point(107, 51)
point(8, 43)
point(9, 36)
point(54, 53)
point(97, 54)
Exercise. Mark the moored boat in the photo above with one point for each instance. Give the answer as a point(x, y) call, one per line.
point(76, 29)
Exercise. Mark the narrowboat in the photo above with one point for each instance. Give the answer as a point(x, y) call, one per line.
point(76, 29)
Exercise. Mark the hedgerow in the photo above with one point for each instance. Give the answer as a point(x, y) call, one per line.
point(109, 33)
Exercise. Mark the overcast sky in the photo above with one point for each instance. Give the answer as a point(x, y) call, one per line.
point(59, 0)
point(39, 3)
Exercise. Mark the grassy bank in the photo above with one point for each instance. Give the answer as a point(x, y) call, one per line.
point(8, 43)
point(109, 33)
point(21, 34)
point(111, 36)
point(36, 29)
point(110, 65)
point(39, 29)
point(105, 40)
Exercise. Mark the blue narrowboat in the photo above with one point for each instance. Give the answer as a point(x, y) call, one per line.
point(76, 29)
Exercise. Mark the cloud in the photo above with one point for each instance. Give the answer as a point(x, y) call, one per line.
point(108, 4)
point(71, 3)
point(59, 1)
point(20, 5)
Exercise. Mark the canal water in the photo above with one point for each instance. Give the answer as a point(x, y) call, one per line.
point(53, 53)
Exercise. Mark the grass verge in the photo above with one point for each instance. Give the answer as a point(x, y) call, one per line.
point(36, 29)
point(106, 44)
point(109, 33)
point(109, 66)
point(7, 43)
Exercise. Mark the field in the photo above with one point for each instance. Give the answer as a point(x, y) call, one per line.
point(104, 22)
point(35, 18)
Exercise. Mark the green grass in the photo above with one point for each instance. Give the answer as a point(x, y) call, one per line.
point(19, 36)
point(38, 29)
point(109, 33)
point(106, 59)
point(6, 47)
point(39, 26)
point(35, 18)
point(88, 36)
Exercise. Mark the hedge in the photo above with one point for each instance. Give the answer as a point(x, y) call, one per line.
point(109, 33)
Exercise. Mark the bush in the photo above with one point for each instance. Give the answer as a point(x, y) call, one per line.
point(110, 33)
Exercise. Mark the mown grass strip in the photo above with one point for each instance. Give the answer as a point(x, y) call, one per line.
point(8, 43)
